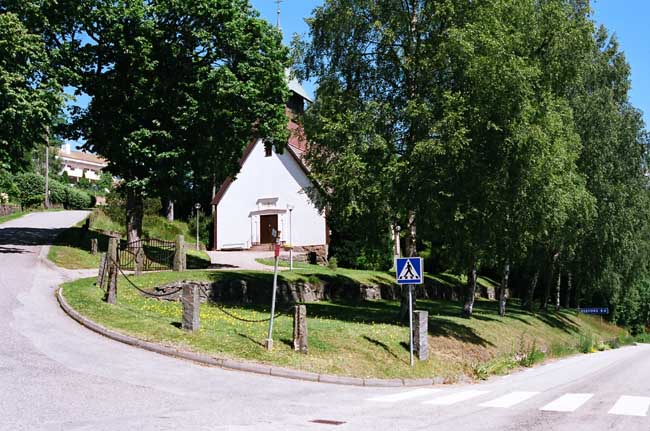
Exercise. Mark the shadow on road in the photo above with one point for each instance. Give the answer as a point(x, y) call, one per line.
point(27, 236)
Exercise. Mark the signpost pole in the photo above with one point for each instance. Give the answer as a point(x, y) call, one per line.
point(269, 339)
point(411, 322)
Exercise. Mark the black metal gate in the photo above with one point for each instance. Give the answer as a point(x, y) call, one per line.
point(147, 255)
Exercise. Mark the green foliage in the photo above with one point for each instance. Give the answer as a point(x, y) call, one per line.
point(586, 343)
point(31, 193)
point(332, 263)
point(31, 189)
point(7, 185)
point(30, 96)
point(78, 199)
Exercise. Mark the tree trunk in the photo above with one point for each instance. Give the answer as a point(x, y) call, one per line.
point(531, 290)
point(411, 251)
point(134, 216)
point(557, 287)
point(169, 209)
point(503, 290)
point(549, 282)
point(470, 291)
point(214, 193)
point(567, 303)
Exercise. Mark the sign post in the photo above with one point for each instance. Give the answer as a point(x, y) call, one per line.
point(276, 252)
point(409, 272)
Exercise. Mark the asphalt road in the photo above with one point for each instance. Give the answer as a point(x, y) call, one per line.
point(57, 375)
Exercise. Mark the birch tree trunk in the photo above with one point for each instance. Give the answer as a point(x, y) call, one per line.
point(557, 287)
point(531, 290)
point(470, 291)
point(169, 209)
point(567, 302)
point(503, 290)
point(549, 282)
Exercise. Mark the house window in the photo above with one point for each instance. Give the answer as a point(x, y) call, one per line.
point(268, 149)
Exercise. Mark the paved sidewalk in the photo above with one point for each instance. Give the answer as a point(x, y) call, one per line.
point(241, 260)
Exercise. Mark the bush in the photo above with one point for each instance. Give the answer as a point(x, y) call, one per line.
point(77, 199)
point(8, 186)
point(31, 189)
point(58, 193)
point(332, 263)
point(586, 343)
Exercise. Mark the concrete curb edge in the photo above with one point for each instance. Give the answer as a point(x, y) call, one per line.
point(230, 364)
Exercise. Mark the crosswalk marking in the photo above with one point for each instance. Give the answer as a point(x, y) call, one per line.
point(567, 403)
point(404, 395)
point(631, 406)
point(509, 400)
point(455, 398)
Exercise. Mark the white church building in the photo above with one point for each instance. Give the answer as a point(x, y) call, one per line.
point(269, 196)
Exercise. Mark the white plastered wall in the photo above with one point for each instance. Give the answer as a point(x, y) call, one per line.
point(278, 176)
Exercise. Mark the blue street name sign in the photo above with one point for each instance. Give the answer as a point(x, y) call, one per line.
point(594, 310)
point(409, 270)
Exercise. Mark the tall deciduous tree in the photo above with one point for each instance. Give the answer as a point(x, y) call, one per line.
point(178, 88)
point(30, 97)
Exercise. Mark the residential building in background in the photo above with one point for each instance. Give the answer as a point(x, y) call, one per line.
point(79, 164)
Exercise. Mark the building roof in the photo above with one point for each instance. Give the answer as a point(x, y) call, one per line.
point(82, 156)
point(296, 86)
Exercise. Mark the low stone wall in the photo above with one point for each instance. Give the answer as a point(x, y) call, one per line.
point(256, 291)
point(6, 210)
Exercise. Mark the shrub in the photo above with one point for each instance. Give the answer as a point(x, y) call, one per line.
point(332, 263)
point(58, 193)
point(77, 199)
point(586, 343)
point(8, 186)
point(31, 189)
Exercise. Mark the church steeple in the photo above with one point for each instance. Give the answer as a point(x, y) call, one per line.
point(278, 12)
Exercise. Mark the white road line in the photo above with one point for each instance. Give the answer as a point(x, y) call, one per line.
point(567, 403)
point(455, 398)
point(509, 400)
point(404, 395)
point(630, 406)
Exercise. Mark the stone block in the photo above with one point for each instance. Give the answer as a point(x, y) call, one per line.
point(421, 334)
point(191, 300)
point(180, 258)
point(300, 329)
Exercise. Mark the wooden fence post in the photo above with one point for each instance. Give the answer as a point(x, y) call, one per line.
point(111, 255)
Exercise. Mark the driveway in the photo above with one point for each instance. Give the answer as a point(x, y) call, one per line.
point(241, 260)
point(57, 375)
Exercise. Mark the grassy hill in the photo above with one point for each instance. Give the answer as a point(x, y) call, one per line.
point(361, 339)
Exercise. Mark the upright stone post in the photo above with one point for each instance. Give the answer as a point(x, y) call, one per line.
point(421, 334)
point(191, 301)
point(111, 255)
point(102, 271)
point(180, 259)
point(93, 246)
point(300, 329)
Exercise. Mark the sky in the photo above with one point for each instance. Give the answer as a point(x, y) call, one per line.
point(627, 19)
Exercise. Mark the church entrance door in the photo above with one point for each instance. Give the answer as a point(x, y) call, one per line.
point(267, 224)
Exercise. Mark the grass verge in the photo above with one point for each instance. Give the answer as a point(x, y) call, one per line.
point(360, 339)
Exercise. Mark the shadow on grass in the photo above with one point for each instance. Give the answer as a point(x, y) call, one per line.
point(385, 347)
point(249, 338)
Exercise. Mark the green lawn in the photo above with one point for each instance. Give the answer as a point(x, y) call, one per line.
point(347, 338)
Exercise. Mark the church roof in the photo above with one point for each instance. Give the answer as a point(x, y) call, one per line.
point(296, 86)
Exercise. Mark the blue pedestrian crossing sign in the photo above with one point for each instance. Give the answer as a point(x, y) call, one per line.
point(409, 270)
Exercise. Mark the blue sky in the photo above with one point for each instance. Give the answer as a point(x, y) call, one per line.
point(628, 19)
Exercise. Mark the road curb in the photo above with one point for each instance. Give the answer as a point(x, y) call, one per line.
point(236, 365)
